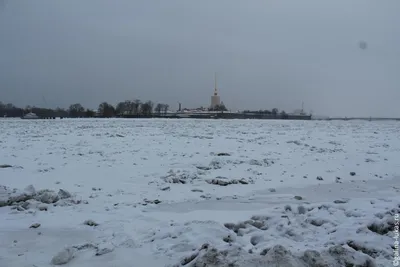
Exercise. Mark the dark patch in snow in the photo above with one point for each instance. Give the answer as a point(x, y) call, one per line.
point(90, 223)
point(180, 178)
point(223, 182)
point(4, 166)
point(63, 194)
point(228, 239)
point(277, 256)
point(254, 240)
point(316, 221)
point(35, 225)
point(166, 188)
point(147, 201)
point(197, 190)
point(301, 210)
point(381, 228)
point(203, 168)
point(358, 247)
point(341, 201)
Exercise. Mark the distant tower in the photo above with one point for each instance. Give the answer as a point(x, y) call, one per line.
point(215, 99)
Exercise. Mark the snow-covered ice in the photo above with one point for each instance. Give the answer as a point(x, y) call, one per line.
point(115, 192)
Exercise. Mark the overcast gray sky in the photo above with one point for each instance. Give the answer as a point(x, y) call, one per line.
point(267, 53)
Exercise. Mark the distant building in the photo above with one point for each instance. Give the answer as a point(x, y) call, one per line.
point(298, 112)
point(215, 99)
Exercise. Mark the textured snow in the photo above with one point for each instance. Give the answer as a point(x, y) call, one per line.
point(116, 192)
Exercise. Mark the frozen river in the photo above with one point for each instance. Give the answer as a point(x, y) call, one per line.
point(257, 192)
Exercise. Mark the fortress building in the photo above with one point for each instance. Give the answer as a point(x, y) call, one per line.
point(215, 99)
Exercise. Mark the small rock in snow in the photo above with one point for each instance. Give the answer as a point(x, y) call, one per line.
point(197, 190)
point(35, 225)
point(218, 182)
point(90, 223)
point(223, 154)
point(228, 239)
point(63, 257)
point(272, 190)
point(104, 249)
point(319, 178)
point(340, 201)
point(243, 181)
point(352, 173)
point(316, 221)
point(63, 194)
point(298, 197)
point(165, 188)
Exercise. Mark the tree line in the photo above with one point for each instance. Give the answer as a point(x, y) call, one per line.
point(107, 110)
point(132, 108)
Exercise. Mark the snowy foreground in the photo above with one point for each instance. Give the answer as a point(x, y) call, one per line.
point(198, 193)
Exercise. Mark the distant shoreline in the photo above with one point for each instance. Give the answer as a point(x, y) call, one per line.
point(193, 116)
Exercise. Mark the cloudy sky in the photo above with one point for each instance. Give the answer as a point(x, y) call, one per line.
point(267, 53)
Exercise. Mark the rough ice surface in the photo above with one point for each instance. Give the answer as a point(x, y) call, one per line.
point(115, 192)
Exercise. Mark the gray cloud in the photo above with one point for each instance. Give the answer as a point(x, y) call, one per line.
point(267, 53)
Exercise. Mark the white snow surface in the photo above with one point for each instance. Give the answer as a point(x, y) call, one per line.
point(147, 184)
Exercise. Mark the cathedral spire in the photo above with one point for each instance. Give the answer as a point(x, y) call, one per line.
point(215, 84)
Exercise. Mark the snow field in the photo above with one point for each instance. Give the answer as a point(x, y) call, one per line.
point(117, 192)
